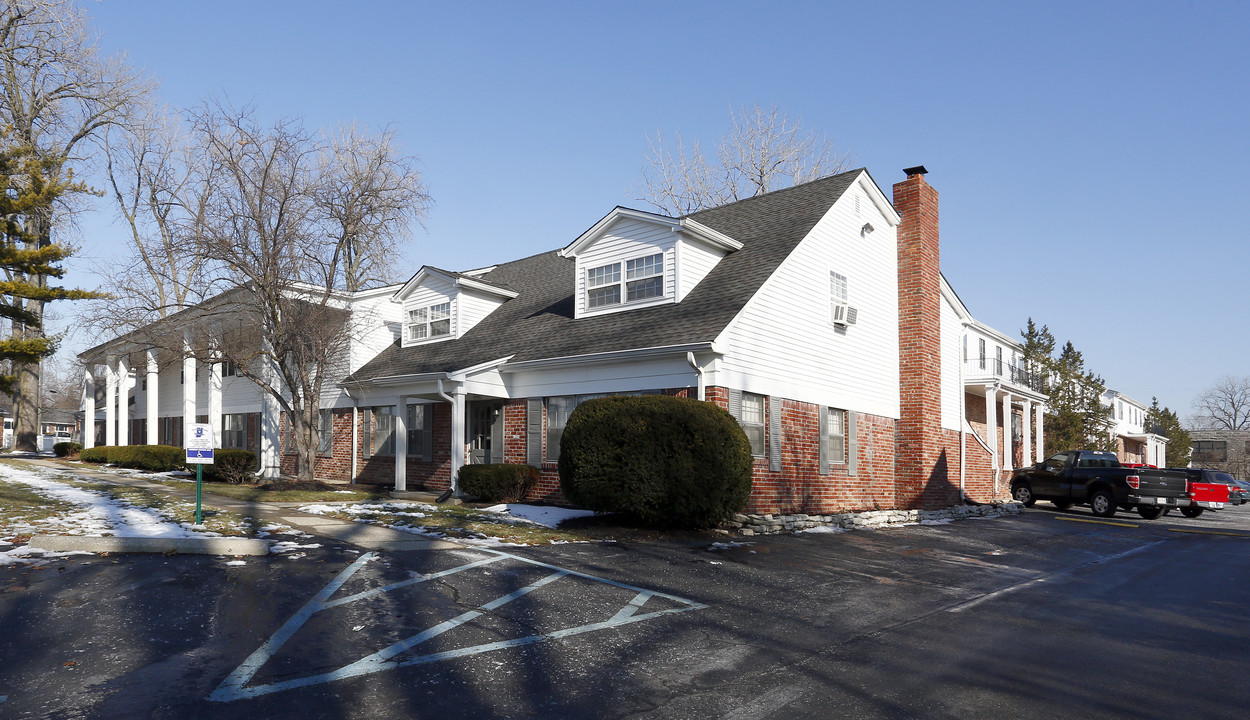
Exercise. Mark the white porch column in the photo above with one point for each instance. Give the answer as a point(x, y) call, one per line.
point(214, 399)
point(401, 445)
point(88, 407)
point(1026, 423)
point(152, 397)
point(270, 421)
point(1007, 453)
point(123, 395)
point(991, 424)
point(1037, 412)
point(457, 438)
point(188, 388)
point(110, 401)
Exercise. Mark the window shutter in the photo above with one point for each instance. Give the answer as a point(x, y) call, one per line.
point(366, 431)
point(823, 440)
point(774, 434)
point(427, 432)
point(735, 404)
point(852, 443)
point(534, 431)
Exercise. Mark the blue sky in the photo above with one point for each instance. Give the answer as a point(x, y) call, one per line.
point(1090, 156)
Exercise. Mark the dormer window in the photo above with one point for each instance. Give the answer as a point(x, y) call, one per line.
point(429, 322)
point(643, 280)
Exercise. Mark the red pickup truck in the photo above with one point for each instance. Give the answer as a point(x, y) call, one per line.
point(1211, 490)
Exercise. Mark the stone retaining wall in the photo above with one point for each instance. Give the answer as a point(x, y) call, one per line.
point(773, 524)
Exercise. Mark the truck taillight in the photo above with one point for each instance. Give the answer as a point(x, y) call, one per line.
point(1133, 481)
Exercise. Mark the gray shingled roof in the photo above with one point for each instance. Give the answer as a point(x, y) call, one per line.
point(539, 324)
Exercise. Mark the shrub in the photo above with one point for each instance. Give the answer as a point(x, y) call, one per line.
point(66, 449)
point(662, 460)
point(231, 466)
point(153, 458)
point(500, 482)
point(94, 455)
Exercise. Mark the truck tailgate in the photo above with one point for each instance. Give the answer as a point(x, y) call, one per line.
point(1208, 492)
point(1162, 484)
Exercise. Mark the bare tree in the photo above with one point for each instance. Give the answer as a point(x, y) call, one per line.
point(1223, 406)
point(160, 187)
point(57, 90)
point(762, 152)
point(369, 195)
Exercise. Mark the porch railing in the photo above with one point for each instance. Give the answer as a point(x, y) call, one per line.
point(992, 367)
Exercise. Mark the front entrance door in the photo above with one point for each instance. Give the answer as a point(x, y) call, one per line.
point(485, 428)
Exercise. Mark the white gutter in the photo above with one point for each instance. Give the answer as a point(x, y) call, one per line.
point(607, 357)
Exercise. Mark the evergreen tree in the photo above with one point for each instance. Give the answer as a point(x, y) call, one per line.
point(31, 187)
point(1168, 424)
point(1039, 346)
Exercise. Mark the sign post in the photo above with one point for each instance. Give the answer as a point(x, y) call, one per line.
point(199, 453)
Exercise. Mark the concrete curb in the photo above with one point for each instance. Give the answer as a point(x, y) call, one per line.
point(181, 546)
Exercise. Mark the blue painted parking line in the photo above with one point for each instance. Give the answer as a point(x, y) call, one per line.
point(235, 686)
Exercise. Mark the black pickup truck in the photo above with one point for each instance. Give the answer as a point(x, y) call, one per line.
point(1084, 477)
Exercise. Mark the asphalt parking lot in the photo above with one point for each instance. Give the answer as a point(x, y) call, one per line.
point(1050, 614)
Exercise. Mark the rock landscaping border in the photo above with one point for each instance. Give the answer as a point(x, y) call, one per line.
point(774, 524)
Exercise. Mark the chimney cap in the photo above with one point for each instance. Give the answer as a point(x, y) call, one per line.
point(918, 170)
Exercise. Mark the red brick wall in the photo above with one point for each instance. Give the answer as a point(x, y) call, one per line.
point(922, 458)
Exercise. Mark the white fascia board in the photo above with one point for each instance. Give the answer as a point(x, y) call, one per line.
point(398, 379)
point(460, 375)
point(460, 282)
point(712, 237)
point(955, 302)
point(376, 292)
point(608, 357)
point(484, 288)
point(618, 212)
point(884, 206)
point(1006, 340)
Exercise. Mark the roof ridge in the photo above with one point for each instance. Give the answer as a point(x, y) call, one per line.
point(774, 193)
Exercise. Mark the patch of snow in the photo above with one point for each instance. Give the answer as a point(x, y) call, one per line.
point(727, 545)
point(823, 530)
point(539, 514)
point(236, 562)
point(287, 546)
point(418, 510)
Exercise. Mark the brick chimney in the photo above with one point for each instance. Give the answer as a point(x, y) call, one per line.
point(922, 457)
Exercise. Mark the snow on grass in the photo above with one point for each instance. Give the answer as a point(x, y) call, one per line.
point(385, 508)
point(83, 512)
point(539, 514)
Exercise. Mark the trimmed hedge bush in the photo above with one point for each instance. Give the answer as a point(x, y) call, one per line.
point(662, 460)
point(94, 455)
point(498, 482)
point(153, 458)
point(231, 466)
point(65, 449)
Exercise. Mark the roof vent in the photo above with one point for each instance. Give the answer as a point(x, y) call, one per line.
point(918, 170)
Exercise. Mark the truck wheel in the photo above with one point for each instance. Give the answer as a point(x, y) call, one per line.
point(1061, 504)
point(1191, 512)
point(1102, 503)
point(1023, 494)
point(1149, 513)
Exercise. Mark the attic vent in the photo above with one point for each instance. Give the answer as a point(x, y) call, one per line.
point(857, 203)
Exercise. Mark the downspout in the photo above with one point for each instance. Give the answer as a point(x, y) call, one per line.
point(963, 413)
point(697, 371)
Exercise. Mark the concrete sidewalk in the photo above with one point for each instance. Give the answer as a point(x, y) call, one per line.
point(368, 537)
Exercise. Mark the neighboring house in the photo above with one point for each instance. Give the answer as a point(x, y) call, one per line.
point(816, 315)
point(1134, 442)
point(1227, 450)
point(142, 389)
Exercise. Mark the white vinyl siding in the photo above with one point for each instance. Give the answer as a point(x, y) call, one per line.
point(855, 367)
point(952, 388)
point(695, 261)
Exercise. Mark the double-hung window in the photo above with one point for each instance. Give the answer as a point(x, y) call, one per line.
point(603, 286)
point(325, 432)
point(643, 279)
point(429, 322)
point(837, 436)
point(837, 298)
point(234, 431)
point(752, 421)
